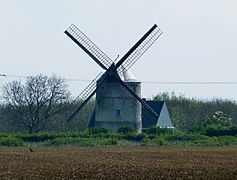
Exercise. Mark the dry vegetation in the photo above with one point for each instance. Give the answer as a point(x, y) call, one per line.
point(118, 163)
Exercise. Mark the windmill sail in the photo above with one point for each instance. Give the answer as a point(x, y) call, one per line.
point(140, 48)
point(89, 47)
point(85, 95)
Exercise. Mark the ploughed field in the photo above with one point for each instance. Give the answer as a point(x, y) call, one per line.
point(119, 163)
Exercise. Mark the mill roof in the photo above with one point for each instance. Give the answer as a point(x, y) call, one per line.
point(148, 119)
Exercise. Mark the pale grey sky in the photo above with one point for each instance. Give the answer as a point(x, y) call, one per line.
point(199, 41)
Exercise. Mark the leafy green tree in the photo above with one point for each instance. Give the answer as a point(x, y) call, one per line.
point(219, 124)
point(218, 119)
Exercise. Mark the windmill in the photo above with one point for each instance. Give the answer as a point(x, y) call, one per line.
point(118, 102)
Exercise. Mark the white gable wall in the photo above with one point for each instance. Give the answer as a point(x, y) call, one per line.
point(164, 119)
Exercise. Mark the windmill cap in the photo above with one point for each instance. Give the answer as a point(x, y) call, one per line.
point(128, 76)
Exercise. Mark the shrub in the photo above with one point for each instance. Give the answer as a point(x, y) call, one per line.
point(141, 136)
point(132, 136)
point(3, 135)
point(160, 141)
point(233, 131)
point(157, 131)
point(45, 136)
point(126, 130)
point(145, 141)
point(64, 141)
point(110, 141)
point(185, 137)
point(99, 131)
point(37, 137)
point(221, 131)
point(76, 134)
point(82, 141)
point(217, 141)
point(157, 141)
point(228, 140)
point(129, 136)
point(11, 141)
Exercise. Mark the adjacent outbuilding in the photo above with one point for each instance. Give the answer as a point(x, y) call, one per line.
point(164, 120)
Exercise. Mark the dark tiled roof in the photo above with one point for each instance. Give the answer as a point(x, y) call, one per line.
point(148, 119)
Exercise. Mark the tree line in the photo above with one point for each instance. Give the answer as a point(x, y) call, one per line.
point(43, 103)
point(189, 113)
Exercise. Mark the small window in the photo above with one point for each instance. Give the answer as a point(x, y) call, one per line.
point(118, 113)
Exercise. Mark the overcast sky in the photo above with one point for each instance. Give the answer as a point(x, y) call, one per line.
point(199, 41)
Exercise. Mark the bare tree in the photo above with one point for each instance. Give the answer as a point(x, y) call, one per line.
point(35, 102)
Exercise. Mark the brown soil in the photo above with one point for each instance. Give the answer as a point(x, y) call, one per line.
point(118, 163)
